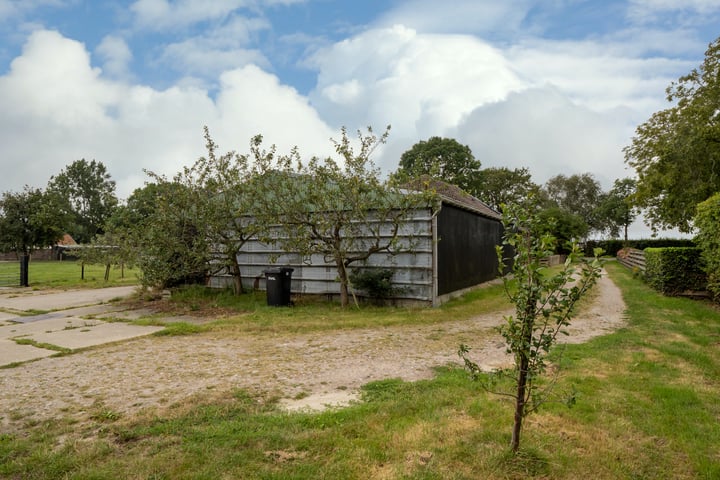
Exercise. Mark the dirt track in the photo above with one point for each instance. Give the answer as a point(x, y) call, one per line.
point(322, 368)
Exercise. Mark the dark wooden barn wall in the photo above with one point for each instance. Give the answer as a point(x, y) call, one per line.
point(466, 249)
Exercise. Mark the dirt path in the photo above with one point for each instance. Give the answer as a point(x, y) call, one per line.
point(306, 370)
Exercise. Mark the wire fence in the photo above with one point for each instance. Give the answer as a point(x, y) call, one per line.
point(10, 274)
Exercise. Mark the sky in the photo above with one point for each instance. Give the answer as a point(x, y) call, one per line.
point(556, 86)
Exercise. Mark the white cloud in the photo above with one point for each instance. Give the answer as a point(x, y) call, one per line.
point(116, 55)
point(58, 108)
point(164, 14)
point(599, 76)
point(542, 129)
point(462, 16)
point(10, 9)
point(421, 84)
point(217, 50)
point(683, 11)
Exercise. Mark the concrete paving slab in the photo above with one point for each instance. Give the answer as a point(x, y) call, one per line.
point(5, 316)
point(49, 325)
point(93, 335)
point(39, 300)
point(11, 352)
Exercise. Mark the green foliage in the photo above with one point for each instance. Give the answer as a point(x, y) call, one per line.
point(29, 220)
point(707, 221)
point(502, 186)
point(564, 226)
point(544, 305)
point(89, 197)
point(674, 270)
point(442, 158)
point(578, 195)
point(616, 211)
point(376, 282)
point(171, 246)
point(676, 153)
point(611, 247)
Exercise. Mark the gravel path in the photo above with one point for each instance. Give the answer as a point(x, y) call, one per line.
point(316, 369)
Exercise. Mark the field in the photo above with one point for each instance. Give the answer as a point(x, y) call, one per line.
point(69, 274)
point(646, 408)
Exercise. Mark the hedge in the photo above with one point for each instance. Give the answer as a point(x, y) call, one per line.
point(675, 270)
point(611, 247)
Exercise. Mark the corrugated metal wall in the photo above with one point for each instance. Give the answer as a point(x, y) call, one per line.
point(466, 249)
point(317, 275)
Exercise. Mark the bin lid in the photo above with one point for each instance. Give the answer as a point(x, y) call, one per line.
point(278, 270)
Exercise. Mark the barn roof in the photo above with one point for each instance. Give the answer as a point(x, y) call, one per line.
point(456, 196)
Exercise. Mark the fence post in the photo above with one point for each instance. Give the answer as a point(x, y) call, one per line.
point(24, 264)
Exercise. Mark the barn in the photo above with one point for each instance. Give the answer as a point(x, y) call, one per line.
point(449, 248)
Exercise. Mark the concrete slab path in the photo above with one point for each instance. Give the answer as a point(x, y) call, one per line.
point(64, 326)
point(54, 300)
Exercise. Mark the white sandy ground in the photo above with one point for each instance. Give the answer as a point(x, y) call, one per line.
point(308, 371)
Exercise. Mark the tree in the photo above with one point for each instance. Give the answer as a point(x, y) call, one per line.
point(544, 305)
point(498, 186)
point(159, 231)
point(228, 203)
point(442, 158)
point(564, 226)
point(616, 211)
point(676, 152)
point(577, 194)
point(29, 220)
point(707, 221)
point(90, 198)
point(339, 211)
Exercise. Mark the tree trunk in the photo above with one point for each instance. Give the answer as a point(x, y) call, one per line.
point(528, 322)
point(342, 274)
point(519, 403)
point(107, 272)
point(237, 276)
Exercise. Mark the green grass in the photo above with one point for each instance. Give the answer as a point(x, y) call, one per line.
point(647, 409)
point(67, 274)
point(46, 346)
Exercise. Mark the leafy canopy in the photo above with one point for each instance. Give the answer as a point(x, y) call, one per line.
point(29, 220)
point(676, 152)
point(442, 158)
point(89, 194)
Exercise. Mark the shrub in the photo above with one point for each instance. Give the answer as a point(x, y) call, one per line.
point(674, 270)
point(376, 283)
point(707, 221)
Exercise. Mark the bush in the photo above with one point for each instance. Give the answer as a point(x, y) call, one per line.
point(707, 221)
point(674, 270)
point(376, 283)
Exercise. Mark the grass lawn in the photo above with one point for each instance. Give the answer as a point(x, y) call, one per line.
point(646, 408)
point(69, 274)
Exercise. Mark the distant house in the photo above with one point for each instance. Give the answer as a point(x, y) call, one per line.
point(452, 249)
point(65, 248)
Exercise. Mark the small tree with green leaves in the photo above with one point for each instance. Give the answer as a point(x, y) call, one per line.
point(544, 302)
